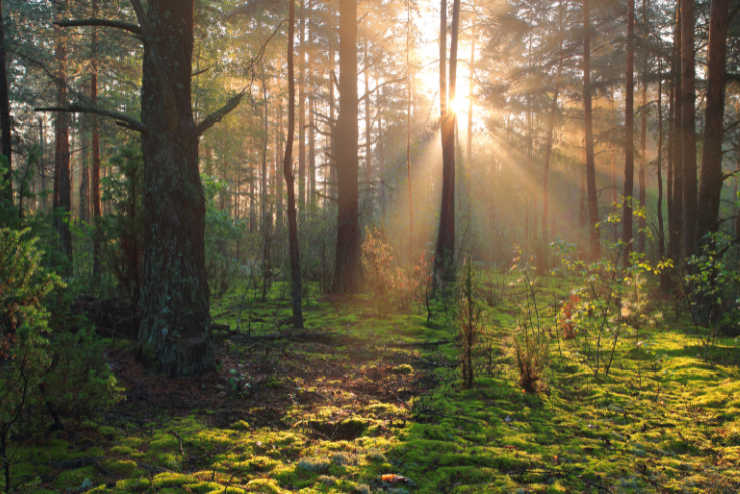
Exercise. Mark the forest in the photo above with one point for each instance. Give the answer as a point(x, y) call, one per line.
point(369, 246)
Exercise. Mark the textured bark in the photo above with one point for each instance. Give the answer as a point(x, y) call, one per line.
point(444, 256)
point(409, 102)
point(592, 198)
point(711, 167)
point(295, 264)
point(174, 297)
point(62, 204)
point(688, 127)
point(629, 143)
point(266, 216)
point(347, 266)
point(5, 122)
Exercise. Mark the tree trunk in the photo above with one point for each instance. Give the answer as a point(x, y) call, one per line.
point(5, 122)
point(661, 227)
point(347, 267)
point(62, 204)
point(675, 220)
point(629, 143)
point(688, 129)
point(593, 204)
point(174, 297)
point(409, 102)
point(641, 219)
point(266, 219)
point(302, 112)
point(711, 168)
point(444, 257)
point(295, 264)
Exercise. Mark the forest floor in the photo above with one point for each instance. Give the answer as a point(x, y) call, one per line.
point(367, 402)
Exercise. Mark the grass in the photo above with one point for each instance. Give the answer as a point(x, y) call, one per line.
point(374, 395)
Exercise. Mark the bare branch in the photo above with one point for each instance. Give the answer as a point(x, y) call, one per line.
point(126, 26)
point(219, 114)
point(122, 119)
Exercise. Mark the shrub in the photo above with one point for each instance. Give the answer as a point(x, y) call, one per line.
point(388, 281)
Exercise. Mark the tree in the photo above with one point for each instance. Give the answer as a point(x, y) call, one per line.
point(5, 122)
point(444, 256)
point(62, 204)
point(347, 265)
point(174, 296)
point(295, 265)
point(688, 126)
point(711, 167)
point(629, 143)
point(593, 205)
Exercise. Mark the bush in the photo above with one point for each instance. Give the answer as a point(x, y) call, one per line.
point(388, 281)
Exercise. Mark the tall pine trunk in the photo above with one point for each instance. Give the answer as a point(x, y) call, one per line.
point(592, 198)
point(347, 265)
point(295, 263)
point(62, 204)
point(711, 168)
point(629, 143)
point(675, 220)
point(5, 122)
point(688, 129)
point(174, 296)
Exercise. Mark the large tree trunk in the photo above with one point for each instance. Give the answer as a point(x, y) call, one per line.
point(688, 129)
point(174, 297)
point(444, 256)
point(295, 264)
point(5, 122)
point(347, 267)
point(62, 204)
point(711, 168)
point(629, 143)
point(661, 226)
point(593, 204)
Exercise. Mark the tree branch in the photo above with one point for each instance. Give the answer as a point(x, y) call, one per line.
point(120, 118)
point(219, 114)
point(139, 9)
point(126, 26)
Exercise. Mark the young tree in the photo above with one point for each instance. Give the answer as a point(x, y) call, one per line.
point(295, 264)
point(347, 266)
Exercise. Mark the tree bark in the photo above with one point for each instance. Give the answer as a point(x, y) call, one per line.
point(661, 226)
point(688, 128)
point(629, 144)
point(5, 122)
point(641, 220)
point(593, 204)
point(711, 168)
point(295, 264)
point(62, 204)
point(302, 112)
point(347, 266)
point(675, 219)
point(174, 297)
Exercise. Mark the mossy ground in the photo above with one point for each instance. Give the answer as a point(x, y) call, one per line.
point(361, 395)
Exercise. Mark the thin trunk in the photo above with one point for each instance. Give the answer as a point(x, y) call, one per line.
point(409, 102)
point(711, 168)
point(593, 205)
point(471, 80)
point(302, 112)
point(62, 193)
point(688, 126)
point(661, 227)
point(368, 203)
point(295, 264)
point(641, 220)
point(266, 219)
point(444, 257)
point(347, 266)
point(5, 122)
point(675, 242)
point(629, 144)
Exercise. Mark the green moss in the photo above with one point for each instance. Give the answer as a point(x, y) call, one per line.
point(134, 484)
point(74, 478)
point(123, 468)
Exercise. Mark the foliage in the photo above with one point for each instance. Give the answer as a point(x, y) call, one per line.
point(470, 321)
point(386, 280)
point(531, 343)
point(712, 287)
